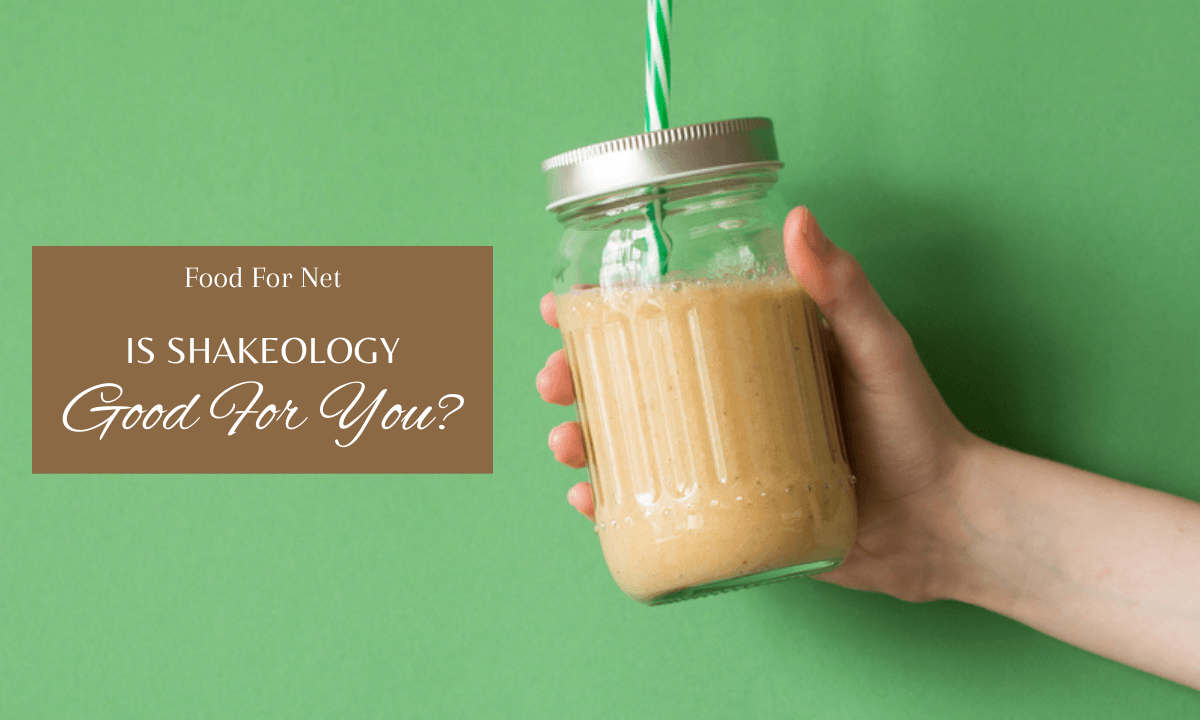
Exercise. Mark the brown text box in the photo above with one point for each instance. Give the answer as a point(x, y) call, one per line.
point(430, 307)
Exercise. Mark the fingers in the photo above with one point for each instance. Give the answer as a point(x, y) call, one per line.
point(566, 441)
point(554, 380)
point(548, 312)
point(580, 498)
point(876, 350)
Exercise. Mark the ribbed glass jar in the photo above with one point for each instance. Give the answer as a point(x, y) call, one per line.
point(702, 384)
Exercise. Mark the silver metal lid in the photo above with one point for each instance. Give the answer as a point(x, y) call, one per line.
point(658, 157)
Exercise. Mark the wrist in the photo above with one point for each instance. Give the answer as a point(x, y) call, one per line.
point(974, 506)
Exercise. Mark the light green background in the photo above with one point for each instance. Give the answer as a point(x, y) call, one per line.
point(1020, 181)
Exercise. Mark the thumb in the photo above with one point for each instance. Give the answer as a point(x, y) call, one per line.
point(876, 351)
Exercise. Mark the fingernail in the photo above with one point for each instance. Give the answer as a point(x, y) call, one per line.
point(811, 232)
point(553, 434)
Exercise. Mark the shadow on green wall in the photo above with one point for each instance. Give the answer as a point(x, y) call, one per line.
point(945, 274)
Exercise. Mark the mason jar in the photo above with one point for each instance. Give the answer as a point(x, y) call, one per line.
point(714, 447)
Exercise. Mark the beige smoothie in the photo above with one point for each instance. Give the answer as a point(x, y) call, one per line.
point(713, 442)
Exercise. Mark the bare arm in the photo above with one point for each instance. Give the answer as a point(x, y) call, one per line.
point(1110, 567)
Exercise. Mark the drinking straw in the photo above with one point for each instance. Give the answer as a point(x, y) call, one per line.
point(658, 99)
point(658, 63)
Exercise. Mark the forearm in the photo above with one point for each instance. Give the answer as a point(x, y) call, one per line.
point(1109, 567)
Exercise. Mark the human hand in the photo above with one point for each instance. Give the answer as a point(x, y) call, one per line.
point(906, 448)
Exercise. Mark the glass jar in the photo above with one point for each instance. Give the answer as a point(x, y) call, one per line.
point(713, 441)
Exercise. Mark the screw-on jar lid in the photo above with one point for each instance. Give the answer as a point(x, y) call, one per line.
point(658, 157)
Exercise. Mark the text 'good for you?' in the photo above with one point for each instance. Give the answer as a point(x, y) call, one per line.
point(239, 402)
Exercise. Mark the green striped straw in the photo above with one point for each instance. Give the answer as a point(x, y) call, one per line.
point(658, 63)
point(658, 99)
